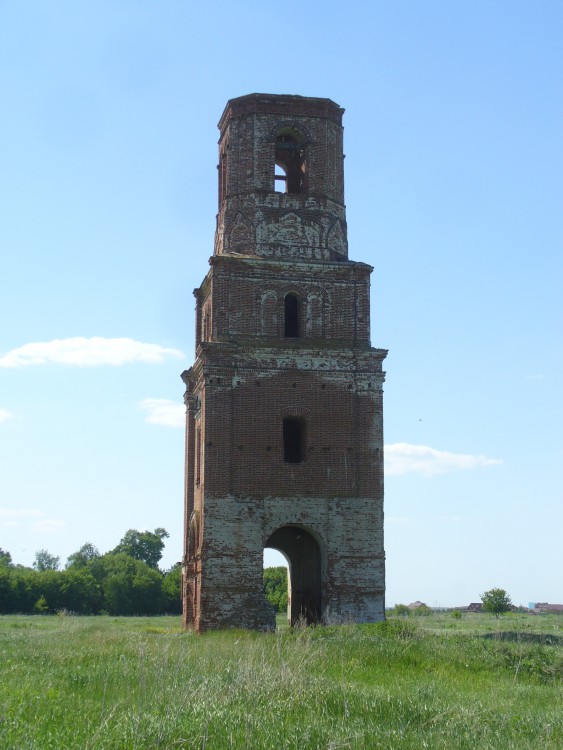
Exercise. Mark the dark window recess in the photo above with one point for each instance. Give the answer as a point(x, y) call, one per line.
point(293, 440)
point(291, 309)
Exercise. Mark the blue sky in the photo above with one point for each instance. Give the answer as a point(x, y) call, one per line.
point(454, 194)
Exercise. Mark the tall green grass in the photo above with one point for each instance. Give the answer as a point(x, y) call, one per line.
point(143, 683)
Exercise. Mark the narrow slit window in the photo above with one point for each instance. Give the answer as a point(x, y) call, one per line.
point(293, 440)
point(291, 310)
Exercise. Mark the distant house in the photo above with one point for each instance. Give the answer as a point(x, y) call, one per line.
point(545, 607)
point(475, 607)
point(416, 605)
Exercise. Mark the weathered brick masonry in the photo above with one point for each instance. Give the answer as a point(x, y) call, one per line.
point(284, 427)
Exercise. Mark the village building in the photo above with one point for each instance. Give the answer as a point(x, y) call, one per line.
point(545, 607)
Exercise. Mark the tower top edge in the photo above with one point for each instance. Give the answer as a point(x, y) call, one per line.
point(281, 104)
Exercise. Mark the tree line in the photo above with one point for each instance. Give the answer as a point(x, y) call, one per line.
point(124, 581)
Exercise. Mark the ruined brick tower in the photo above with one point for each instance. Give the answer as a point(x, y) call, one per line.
point(284, 426)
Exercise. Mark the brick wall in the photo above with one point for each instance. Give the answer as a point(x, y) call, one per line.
point(324, 511)
point(253, 219)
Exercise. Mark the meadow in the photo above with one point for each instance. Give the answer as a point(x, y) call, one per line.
point(105, 683)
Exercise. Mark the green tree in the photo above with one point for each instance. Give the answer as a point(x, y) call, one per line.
point(117, 594)
point(423, 611)
point(126, 581)
point(41, 605)
point(22, 593)
point(48, 584)
point(45, 561)
point(172, 590)
point(82, 557)
point(275, 587)
point(146, 592)
point(129, 586)
point(5, 557)
point(80, 591)
point(401, 610)
point(143, 545)
point(496, 601)
point(5, 590)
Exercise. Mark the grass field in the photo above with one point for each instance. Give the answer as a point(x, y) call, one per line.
point(101, 683)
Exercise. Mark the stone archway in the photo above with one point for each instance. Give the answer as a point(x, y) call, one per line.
point(302, 551)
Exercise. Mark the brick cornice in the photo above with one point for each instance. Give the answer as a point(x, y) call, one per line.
point(281, 104)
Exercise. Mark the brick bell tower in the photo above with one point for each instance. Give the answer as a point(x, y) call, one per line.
point(284, 426)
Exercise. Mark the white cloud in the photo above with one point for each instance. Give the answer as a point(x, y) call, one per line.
point(47, 526)
point(10, 517)
point(13, 517)
point(4, 415)
point(403, 458)
point(21, 513)
point(163, 411)
point(87, 352)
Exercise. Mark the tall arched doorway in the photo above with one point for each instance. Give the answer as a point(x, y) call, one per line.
point(303, 554)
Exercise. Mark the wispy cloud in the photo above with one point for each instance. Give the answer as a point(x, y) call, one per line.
point(87, 352)
point(34, 518)
point(47, 526)
point(14, 517)
point(398, 519)
point(5, 415)
point(21, 513)
point(403, 458)
point(163, 411)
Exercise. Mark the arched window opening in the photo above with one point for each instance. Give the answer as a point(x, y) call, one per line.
point(291, 310)
point(293, 440)
point(289, 162)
